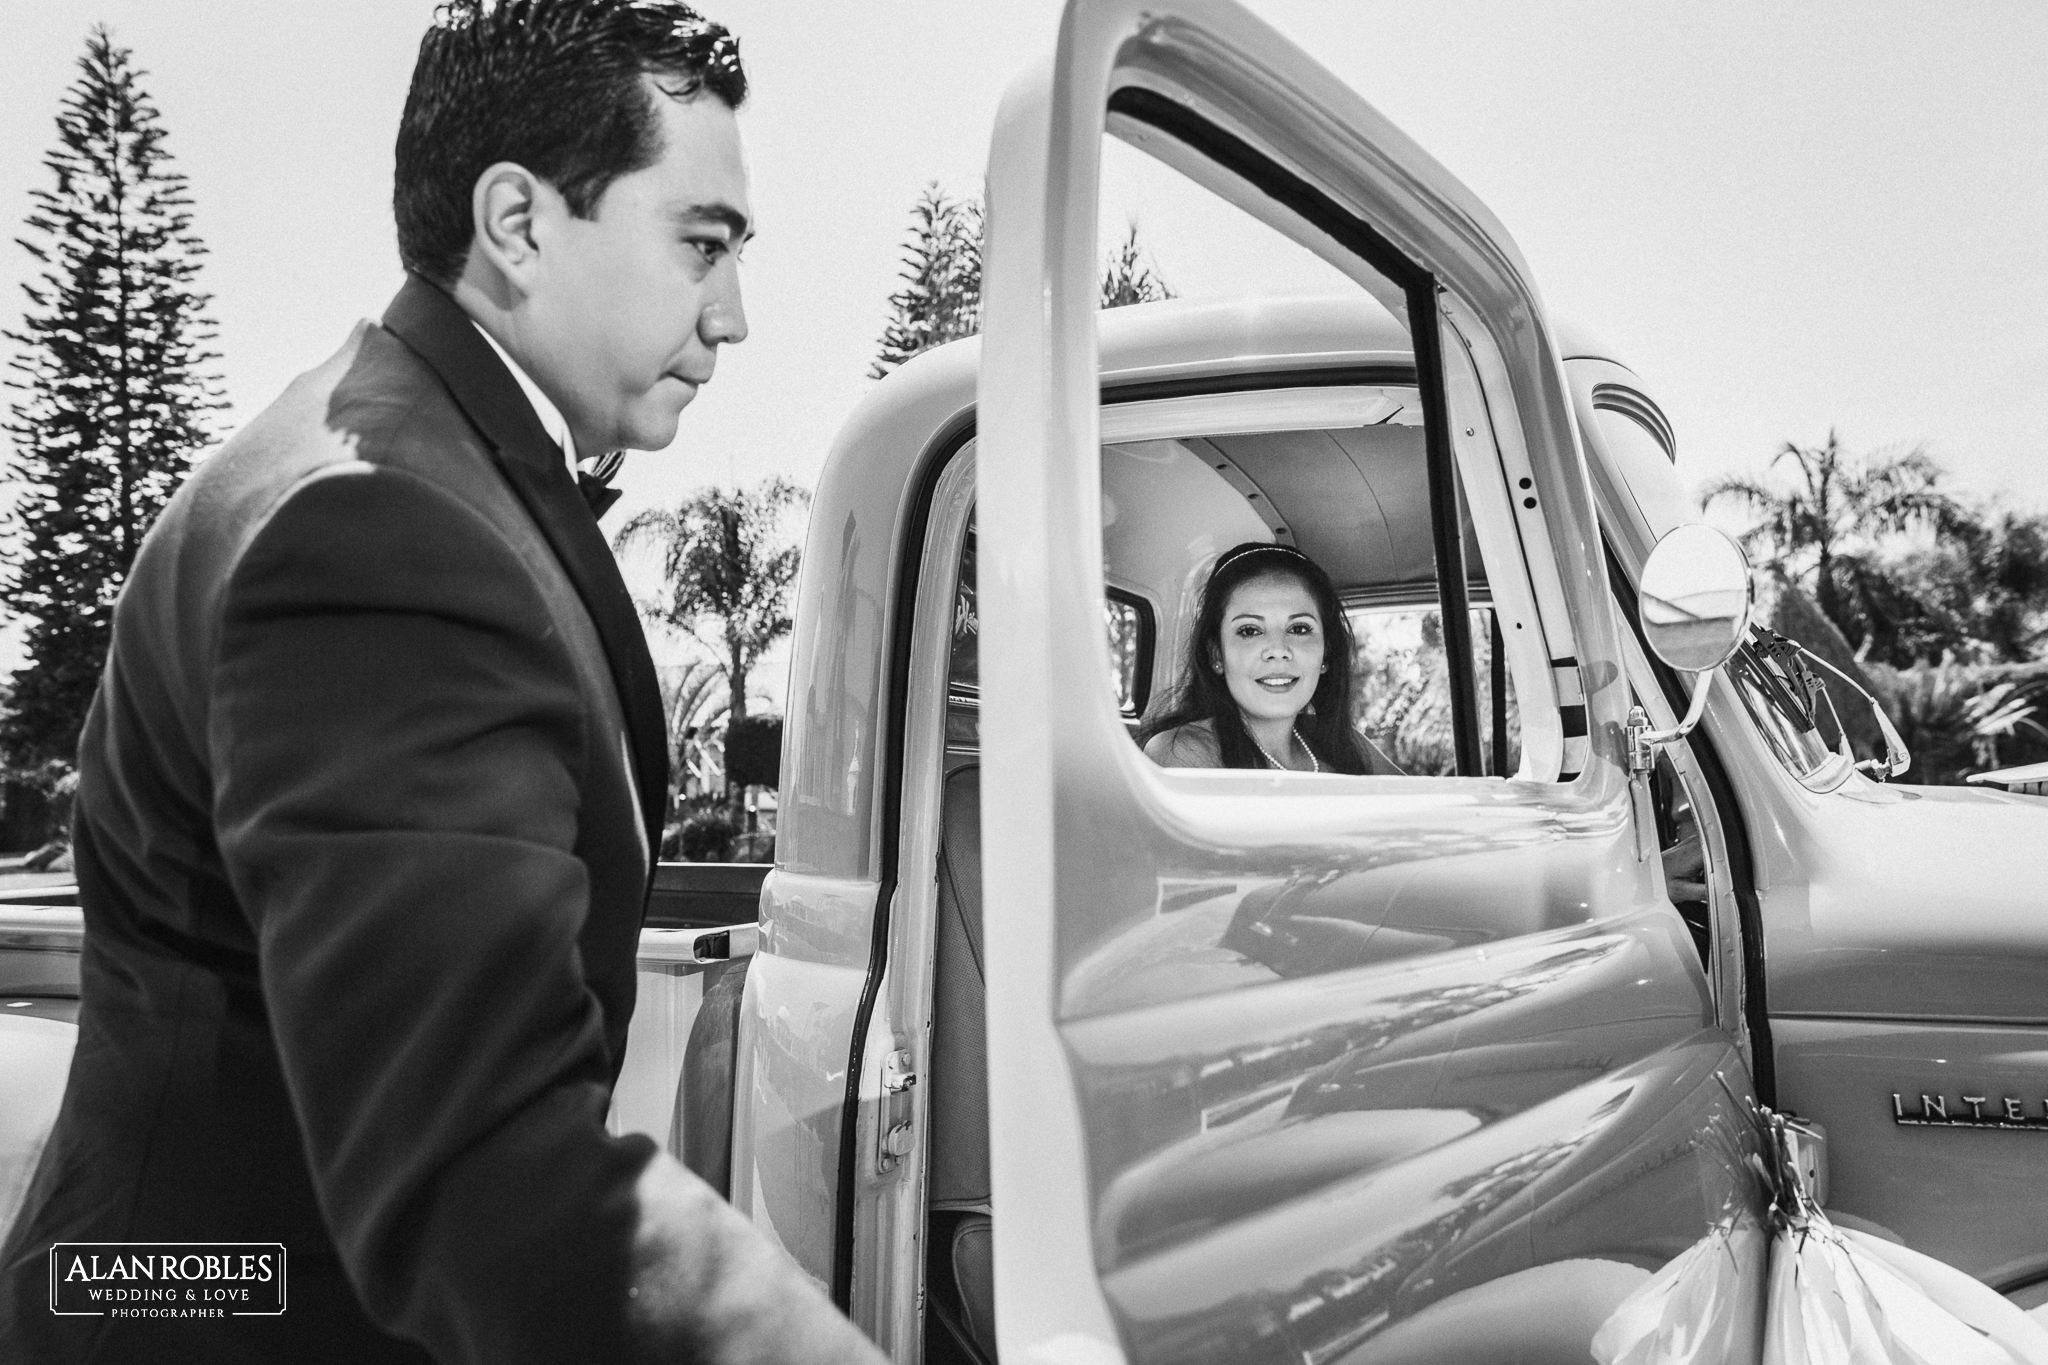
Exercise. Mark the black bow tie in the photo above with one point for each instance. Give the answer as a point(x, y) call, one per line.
point(597, 492)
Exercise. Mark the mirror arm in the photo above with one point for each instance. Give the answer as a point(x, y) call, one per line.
point(1897, 757)
point(1841, 730)
point(1643, 741)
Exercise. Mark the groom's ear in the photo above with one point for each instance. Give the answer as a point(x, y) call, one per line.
point(505, 205)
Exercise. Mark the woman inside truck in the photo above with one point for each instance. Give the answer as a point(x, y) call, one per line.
point(1265, 681)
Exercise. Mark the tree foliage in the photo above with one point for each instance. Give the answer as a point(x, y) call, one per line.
point(115, 389)
point(1403, 690)
point(1957, 718)
point(1972, 585)
point(1978, 593)
point(940, 297)
point(694, 699)
point(1822, 528)
point(1129, 275)
point(728, 567)
point(1940, 602)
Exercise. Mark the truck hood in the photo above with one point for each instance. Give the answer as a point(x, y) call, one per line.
point(1920, 903)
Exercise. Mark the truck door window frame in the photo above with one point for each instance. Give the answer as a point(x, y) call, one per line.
point(1084, 843)
point(1233, 155)
point(1485, 433)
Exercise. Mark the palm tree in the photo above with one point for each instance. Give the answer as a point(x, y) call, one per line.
point(695, 699)
point(1820, 530)
point(728, 566)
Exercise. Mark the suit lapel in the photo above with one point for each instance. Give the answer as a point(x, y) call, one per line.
point(435, 327)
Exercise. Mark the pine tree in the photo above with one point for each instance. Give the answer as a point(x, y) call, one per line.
point(1129, 276)
point(940, 300)
point(113, 373)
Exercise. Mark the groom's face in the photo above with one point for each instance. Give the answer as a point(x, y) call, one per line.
point(632, 303)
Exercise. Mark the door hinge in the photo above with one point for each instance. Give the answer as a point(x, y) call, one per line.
point(895, 1140)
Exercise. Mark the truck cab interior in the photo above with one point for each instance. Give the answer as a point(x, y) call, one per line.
point(1336, 469)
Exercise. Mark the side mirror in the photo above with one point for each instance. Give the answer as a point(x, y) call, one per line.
point(1696, 598)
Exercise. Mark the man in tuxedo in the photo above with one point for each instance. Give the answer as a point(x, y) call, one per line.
point(368, 794)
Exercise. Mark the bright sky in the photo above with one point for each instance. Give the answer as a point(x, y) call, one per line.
point(1786, 218)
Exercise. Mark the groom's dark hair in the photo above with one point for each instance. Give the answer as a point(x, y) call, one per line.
point(554, 85)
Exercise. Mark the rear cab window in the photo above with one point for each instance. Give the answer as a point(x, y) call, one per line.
point(1127, 620)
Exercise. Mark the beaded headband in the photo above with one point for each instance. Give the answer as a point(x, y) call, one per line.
point(1246, 551)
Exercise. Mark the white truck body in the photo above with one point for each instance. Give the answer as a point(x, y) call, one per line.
point(1294, 1067)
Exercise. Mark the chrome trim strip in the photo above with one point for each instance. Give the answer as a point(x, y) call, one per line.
point(61, 928)
point(668, 948)
point(47, 928)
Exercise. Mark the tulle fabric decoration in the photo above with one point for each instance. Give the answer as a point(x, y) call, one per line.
point(1829, 1303)
point(1833, 1296)
point(1701, 1307)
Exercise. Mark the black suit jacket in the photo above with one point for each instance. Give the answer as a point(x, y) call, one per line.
point(363, 832)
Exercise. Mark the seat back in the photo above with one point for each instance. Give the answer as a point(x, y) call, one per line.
point(957, 1110)
point(958, 1105)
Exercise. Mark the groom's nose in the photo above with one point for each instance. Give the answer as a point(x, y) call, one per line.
point(724, 319)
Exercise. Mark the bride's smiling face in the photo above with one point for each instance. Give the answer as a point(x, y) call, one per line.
point(1272, 647)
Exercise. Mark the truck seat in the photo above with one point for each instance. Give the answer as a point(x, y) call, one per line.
point(958, 1104)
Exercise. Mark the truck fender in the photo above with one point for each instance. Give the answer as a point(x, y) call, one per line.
point(704, 1095)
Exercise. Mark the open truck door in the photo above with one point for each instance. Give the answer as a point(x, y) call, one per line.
point(1312, 1067)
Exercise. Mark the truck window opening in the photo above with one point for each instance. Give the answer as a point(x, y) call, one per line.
point(1356, 500)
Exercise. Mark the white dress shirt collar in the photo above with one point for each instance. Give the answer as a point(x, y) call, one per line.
point(551, 419)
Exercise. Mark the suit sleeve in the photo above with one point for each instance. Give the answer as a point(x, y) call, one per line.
point(397, 736)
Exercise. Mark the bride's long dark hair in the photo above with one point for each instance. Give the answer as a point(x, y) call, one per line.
point(1202, 694)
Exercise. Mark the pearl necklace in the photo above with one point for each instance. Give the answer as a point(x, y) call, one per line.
point(1315, 765)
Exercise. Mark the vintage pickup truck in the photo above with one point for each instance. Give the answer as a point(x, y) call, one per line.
point(1040, 1050)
